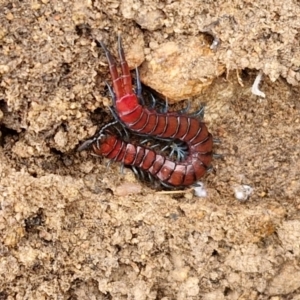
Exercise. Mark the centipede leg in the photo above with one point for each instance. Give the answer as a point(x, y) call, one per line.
point(89, 142)
point(166, 185)
point(138, 89)
point(148, 140)
point(108, 164)
point(217, 156)
point(179, 151)
point(117, 120)
point(199, 113)
point(111, 108)
point(126, 137)
point(186, 109)
point(153, 101)
point(178, 154)
point(165, 107)
point(85, 145)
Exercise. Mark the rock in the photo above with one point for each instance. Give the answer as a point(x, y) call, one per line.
point(180, 70)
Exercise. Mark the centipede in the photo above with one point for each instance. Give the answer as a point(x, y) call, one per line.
point(131, 112)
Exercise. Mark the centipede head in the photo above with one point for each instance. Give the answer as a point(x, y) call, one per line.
point(97, 138)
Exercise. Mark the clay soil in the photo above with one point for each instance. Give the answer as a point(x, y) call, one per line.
point(72, 229)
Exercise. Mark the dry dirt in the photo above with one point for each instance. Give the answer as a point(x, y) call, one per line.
point(67, 229)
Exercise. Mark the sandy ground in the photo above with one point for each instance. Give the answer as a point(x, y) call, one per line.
point(68, 231)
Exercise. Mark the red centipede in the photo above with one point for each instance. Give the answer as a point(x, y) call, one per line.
point(149, 122)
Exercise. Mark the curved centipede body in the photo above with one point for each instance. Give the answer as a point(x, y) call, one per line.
point(143, 121)
point(168, 172)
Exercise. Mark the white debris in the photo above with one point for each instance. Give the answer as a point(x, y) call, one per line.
point(200, 191)
point(242, 192)
point(255, 89)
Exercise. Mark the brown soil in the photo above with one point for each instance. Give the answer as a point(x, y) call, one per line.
point(68, 230)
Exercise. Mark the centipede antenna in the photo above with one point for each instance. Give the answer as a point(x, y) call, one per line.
point(172, 152)
point(111, 108)
point(199, 112)
point(154, 146)
point(174, 192)
point(144, 141)
point(119, 131)
point(165, 148)
point(136, 172)
point(150, 177)
point(108, 164)
point(166, 106)
point(125, 131)
point(139, 173)
point(85, 145)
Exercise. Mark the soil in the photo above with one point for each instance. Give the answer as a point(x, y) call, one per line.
point(71, 228)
